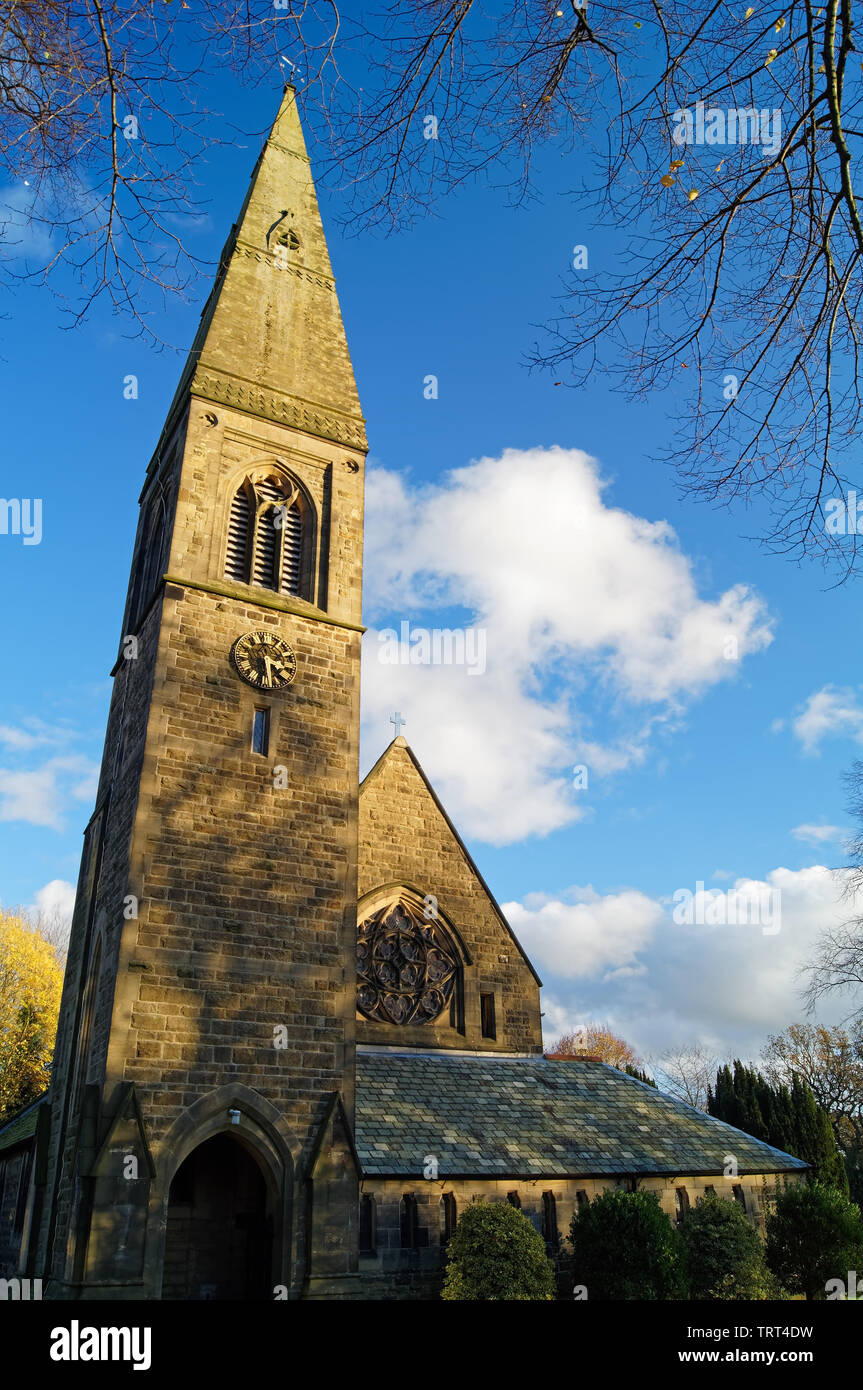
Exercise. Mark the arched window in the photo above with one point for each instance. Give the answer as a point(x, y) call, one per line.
point(408, 1222)
point(368, 1225)
point(152, 556)
point(266, 536)
point(447, 1217)
point(549, 1221)
point(86, 1029)
point(514, 1200)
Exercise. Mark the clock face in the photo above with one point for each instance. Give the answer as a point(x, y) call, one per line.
point(264, 660)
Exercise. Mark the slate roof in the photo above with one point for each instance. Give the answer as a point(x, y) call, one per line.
point(22, 1126)
point(512, 1117)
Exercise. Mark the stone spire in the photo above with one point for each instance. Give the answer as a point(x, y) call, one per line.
point(271, 340)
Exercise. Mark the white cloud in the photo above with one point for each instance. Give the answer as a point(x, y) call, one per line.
point(499, 760)
point(578, 601)
point(831, 712)
point(818, 834)
point(623, 958)
point(34, 733)
point(17, 738)
point(56, 900)
point(557, 1019)
point(587, 936)
point(41, 796)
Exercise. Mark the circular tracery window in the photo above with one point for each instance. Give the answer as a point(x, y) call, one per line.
point(406, 966)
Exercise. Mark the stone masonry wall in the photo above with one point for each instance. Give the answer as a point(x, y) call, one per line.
point(404, 839)
point(393, 1272)
point(121, 766)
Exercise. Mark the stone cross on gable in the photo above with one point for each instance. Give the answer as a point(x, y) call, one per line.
point(398, 721)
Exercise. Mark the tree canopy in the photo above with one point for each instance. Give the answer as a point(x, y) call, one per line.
point(786, 1117)
point(31, 980)
point(598, 1040)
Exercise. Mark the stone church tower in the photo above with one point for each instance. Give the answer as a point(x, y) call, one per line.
point(298, 1037)
point(198, 1140)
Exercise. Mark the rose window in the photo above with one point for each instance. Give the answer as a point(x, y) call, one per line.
point(406, 966)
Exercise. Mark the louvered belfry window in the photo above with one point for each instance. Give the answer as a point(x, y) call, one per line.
point(265, 536)
point(265, 550)
point(239, 534)
point(292, 540)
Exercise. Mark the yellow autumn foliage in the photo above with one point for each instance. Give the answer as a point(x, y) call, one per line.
point(597, 1040)
point(31, 980)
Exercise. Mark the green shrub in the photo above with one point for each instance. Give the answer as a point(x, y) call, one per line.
point(626, 1248)
point(723, 1255)
point(494, 1254)
point(815, 1234)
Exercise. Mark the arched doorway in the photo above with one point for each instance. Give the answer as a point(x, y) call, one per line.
point(219, 1236)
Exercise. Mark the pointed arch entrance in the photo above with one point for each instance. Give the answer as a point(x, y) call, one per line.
point(219, 1232)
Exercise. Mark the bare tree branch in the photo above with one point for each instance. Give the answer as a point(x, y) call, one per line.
point(725, 140)
point(687, 1072)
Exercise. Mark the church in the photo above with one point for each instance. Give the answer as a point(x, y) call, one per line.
point(297, 1035)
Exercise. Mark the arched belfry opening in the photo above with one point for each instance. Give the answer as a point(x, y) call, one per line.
point(270, 539)
point(219, 1234)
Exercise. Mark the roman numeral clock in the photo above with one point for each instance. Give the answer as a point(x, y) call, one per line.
point(264, 660)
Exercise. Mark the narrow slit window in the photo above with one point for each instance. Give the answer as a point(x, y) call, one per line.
point(86, 1029)
point(550, 1232)
point(486, 1003)
point(368, 1225)
point(23, 1192)
point(514, 1200)
point(447, 1217)
point(681, 1199)
point(261, 732)
point(408, 1222)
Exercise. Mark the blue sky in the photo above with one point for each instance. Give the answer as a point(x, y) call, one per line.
point(697, 770)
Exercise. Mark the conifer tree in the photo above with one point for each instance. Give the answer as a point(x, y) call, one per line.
point(788, 1120)
point(639, 1075)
